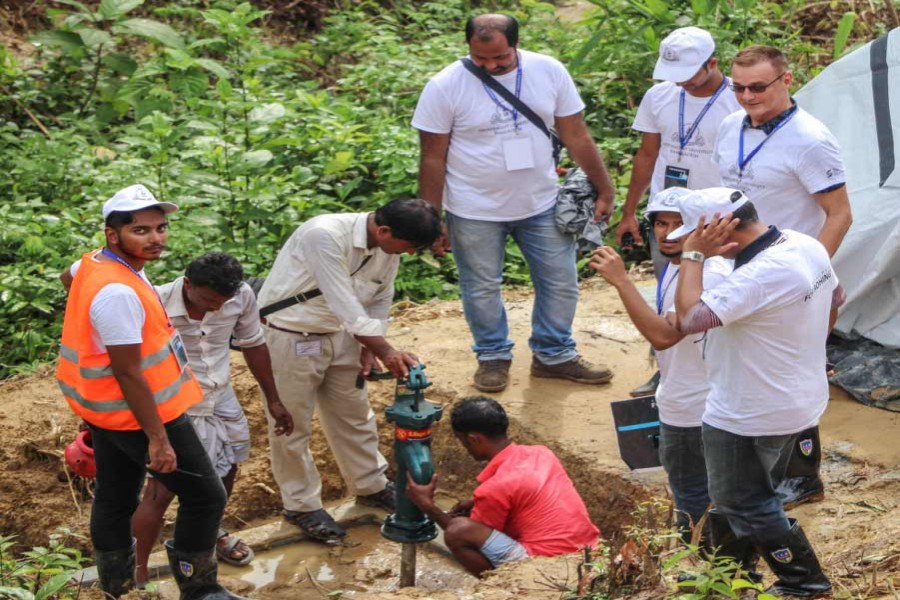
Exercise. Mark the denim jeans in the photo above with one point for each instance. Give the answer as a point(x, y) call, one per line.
point(743, 474)
point(681, 455)
point(121, 458)
point(479, 248)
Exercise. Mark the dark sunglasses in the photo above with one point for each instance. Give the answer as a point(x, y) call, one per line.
point(755, 88)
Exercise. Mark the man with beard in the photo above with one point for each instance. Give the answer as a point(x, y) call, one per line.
point(123, 369)
point(493, 170)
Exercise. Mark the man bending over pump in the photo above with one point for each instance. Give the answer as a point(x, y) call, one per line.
point(525, 504)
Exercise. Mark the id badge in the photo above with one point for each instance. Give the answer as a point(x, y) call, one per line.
point(176, 346)
point(518, 153)
point(676, 177)
point(309, 348)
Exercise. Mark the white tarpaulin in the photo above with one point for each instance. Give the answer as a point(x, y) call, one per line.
point(858, 98)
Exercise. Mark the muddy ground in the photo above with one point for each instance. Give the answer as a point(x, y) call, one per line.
point(856, 529)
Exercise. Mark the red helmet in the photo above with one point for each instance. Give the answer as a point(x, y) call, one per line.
point(80, 455)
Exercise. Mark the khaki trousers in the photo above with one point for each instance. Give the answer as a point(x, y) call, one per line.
point(323, 380)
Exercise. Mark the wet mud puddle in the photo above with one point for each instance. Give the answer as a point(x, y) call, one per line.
point(365, 562)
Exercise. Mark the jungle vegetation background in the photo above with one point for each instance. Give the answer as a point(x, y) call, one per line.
point(255, 116)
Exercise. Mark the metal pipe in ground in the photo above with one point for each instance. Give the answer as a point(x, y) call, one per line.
point(408, 565)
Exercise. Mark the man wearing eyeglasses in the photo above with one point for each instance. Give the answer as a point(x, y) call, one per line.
point(780, 155)
point(790, 164)
point(679, 120)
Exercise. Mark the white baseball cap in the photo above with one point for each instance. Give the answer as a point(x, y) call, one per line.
point(666, 200)
point(135, 197)
point(706, 203)
point(682, 53)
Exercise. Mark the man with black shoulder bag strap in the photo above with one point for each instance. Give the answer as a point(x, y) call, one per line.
point(488, 160)
point(325, 306)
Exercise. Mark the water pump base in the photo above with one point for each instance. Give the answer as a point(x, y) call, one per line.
point(408, 532)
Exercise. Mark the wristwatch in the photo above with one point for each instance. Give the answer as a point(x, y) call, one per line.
point(693, 255)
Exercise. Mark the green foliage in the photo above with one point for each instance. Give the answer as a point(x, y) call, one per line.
point(251, 138)
point(42, 573)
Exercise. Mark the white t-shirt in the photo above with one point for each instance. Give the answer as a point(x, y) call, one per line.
point(478, 183)
point(799, 160)
point(658, 113)
point(684, 383)
point(767, 362)
point(117, 315)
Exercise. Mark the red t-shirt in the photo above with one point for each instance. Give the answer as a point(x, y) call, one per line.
point(525, 493)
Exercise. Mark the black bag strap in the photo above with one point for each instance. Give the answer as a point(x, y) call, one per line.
point(508, 96)
point(302, 296)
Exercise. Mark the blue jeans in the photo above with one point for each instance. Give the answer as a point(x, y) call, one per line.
point(743, 474)
point(681, 455)
point(479, 248)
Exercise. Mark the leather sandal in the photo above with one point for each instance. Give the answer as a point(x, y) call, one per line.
point(317, 524)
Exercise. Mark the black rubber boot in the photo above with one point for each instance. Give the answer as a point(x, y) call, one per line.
point(801, 481)
point(196, 574)
point(723, 539)
point(115, 570)
point(795, 564)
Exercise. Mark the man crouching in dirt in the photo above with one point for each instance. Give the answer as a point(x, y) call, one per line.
point(525, 505)
point(123, 369)
point(325, 306)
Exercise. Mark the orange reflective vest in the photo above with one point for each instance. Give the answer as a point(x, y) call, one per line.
point(86, 377)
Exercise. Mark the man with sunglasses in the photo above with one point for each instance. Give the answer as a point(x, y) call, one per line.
point(790, 164)
point(325, 307)
point(678, 120)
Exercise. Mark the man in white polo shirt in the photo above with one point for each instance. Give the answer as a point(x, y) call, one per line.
point(683, 386)
point(767, 324)
point(679, 121)
point(790, 164)
point(493, 170)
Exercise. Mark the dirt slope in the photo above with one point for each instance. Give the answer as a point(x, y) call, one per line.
point(856, 529)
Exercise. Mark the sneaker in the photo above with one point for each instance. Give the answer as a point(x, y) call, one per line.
point(647, 388)
point(386, 498)
point(492, 375)
point(577, 369)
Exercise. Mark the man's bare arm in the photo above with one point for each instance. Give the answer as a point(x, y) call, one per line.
point(838, 217)
point(641, 174)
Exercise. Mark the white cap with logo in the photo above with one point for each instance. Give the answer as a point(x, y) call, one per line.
point(666, 200)
point(706, 203)
point(682, 53)
point(135, 197)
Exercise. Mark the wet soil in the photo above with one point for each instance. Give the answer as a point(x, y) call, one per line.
point(855, 529)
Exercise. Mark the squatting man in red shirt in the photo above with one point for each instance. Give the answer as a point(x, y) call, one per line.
point(525, 504)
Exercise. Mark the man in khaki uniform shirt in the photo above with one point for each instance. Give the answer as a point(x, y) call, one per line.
point(325, 305)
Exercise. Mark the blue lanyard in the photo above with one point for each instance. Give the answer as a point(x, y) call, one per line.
point(742, 162)
point(684, 138)
point(110, 254)
point(509, 109)
point(660, 292)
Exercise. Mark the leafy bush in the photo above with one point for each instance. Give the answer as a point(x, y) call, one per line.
point(252, 138)
point(42, 573)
